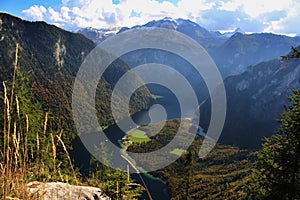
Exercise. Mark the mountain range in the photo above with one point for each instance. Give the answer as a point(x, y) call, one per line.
point(232, 52)
point(256, 80)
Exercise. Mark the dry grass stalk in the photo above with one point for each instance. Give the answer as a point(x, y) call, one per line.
point(27, 124)
point(8, 148)
point(6, 125)
point(45, 123)
point(18, 107)
point(69, 159)
point(4, 120)
point(37, 143)
point(15, 150)
point(41, 153)
point(60, 134)
point(60, 176)
point(16, 145)
point(12, 174)
point(15, 73)
point(26, 141)
point(3, 167)
point(53, 153)
point(11, 177)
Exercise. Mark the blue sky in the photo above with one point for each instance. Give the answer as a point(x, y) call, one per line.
point(15, 7)
point(275, 16)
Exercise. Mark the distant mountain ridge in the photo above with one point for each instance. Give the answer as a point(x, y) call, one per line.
point(98, 35)
point(184, 26)
point(232, 51)
point(255, 99)
point(242, 50)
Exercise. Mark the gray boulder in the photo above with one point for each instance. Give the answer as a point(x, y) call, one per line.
point(64, 191)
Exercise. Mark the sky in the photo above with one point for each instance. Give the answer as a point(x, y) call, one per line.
point(277, 16)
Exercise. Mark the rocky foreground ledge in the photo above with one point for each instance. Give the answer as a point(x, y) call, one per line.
point(64, 191)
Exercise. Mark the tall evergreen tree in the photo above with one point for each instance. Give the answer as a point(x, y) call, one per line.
point(278, 169)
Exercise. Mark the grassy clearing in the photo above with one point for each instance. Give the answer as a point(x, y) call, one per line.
point(177, 151)
point(138, 136)
point(102, 128)
point(158, 96)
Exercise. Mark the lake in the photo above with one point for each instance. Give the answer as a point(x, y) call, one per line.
point(157, 187)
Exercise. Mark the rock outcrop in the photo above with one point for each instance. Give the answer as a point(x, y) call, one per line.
point(64, 191)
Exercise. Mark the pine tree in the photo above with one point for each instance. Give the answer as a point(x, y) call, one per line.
point(278, 169)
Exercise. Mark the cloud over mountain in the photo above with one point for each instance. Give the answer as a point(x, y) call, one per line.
point(251, 15)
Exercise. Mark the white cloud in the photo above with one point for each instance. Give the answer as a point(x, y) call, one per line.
point(277, 16)
point(215, 19)
point(95, 13)
point(288, 23)
point(251, 15)
point(254, 8)
point(35, 12)
point(65, 13)
point(53, 15)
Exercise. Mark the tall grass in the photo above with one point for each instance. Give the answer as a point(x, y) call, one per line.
point(18, 164)
point(30, 154)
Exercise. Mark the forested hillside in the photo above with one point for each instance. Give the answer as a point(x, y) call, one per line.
point(255, 99)
point(51, 57)
point(223, 174)
point(38, 64)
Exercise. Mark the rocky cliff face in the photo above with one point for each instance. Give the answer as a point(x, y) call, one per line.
point(64, 191)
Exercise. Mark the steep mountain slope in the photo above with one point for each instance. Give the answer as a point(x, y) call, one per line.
point(52, 57)
point(254, 100)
